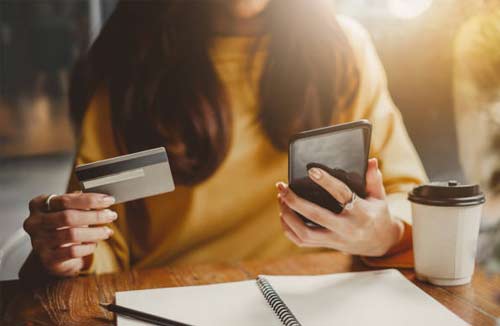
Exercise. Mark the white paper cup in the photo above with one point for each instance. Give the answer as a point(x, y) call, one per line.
point(446, 220)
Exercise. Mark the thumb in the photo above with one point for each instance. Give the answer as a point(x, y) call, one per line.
point(374, 181)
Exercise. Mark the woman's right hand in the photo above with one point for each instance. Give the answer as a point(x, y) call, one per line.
point(65, 237)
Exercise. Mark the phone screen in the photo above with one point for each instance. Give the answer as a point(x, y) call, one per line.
point(341, 153)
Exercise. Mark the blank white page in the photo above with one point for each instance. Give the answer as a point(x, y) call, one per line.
point(236, 303)
point(383, 297)
point(362, 298)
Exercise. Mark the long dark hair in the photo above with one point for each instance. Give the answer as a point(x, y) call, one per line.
point(153, 58)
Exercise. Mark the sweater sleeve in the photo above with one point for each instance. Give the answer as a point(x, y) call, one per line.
point(391, 145)
point(97, 143)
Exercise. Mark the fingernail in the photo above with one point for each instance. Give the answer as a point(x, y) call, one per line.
point(283, 188)
point(109, 231)
point(108, 200)
point(110, 214)
point(315, 173)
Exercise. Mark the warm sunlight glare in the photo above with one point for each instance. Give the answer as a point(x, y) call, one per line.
point(407, 9)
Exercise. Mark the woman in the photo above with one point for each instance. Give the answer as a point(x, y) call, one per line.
point(222, 85)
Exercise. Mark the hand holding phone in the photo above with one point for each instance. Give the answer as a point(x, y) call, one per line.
point(326, 167)
point(365, 228)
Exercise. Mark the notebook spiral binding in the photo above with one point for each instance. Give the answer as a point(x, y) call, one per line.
point(278, 306)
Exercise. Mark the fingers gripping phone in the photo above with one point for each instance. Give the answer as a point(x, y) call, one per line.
point(340, 150)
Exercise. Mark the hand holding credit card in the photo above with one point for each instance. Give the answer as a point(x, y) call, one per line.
point(128, 177)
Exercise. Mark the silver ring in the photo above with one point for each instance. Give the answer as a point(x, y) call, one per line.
point(47, 202)
point(350, 204)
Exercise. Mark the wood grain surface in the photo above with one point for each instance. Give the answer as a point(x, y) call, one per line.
point(75, 301)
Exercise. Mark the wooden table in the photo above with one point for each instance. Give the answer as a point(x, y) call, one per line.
point(75, 301)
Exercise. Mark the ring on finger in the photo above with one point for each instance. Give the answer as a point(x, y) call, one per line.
point(350, 204)
point(47, 202)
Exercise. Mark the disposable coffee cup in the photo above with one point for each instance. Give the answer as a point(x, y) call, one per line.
point(446, 220)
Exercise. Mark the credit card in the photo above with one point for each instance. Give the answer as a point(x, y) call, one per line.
point(128, 177)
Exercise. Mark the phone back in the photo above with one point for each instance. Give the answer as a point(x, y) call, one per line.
point(341, 151)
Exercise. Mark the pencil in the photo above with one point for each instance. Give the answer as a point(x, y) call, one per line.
point(142, 316)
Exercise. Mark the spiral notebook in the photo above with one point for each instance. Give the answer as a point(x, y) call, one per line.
point(383, 297)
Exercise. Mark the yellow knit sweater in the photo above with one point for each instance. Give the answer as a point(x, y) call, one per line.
point(234, 214)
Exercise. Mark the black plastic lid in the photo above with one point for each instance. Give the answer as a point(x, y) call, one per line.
point(450, 193)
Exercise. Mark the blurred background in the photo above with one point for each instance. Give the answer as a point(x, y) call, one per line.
point(40, 40)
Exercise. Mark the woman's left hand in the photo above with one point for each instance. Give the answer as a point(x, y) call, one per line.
point(366, 229)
